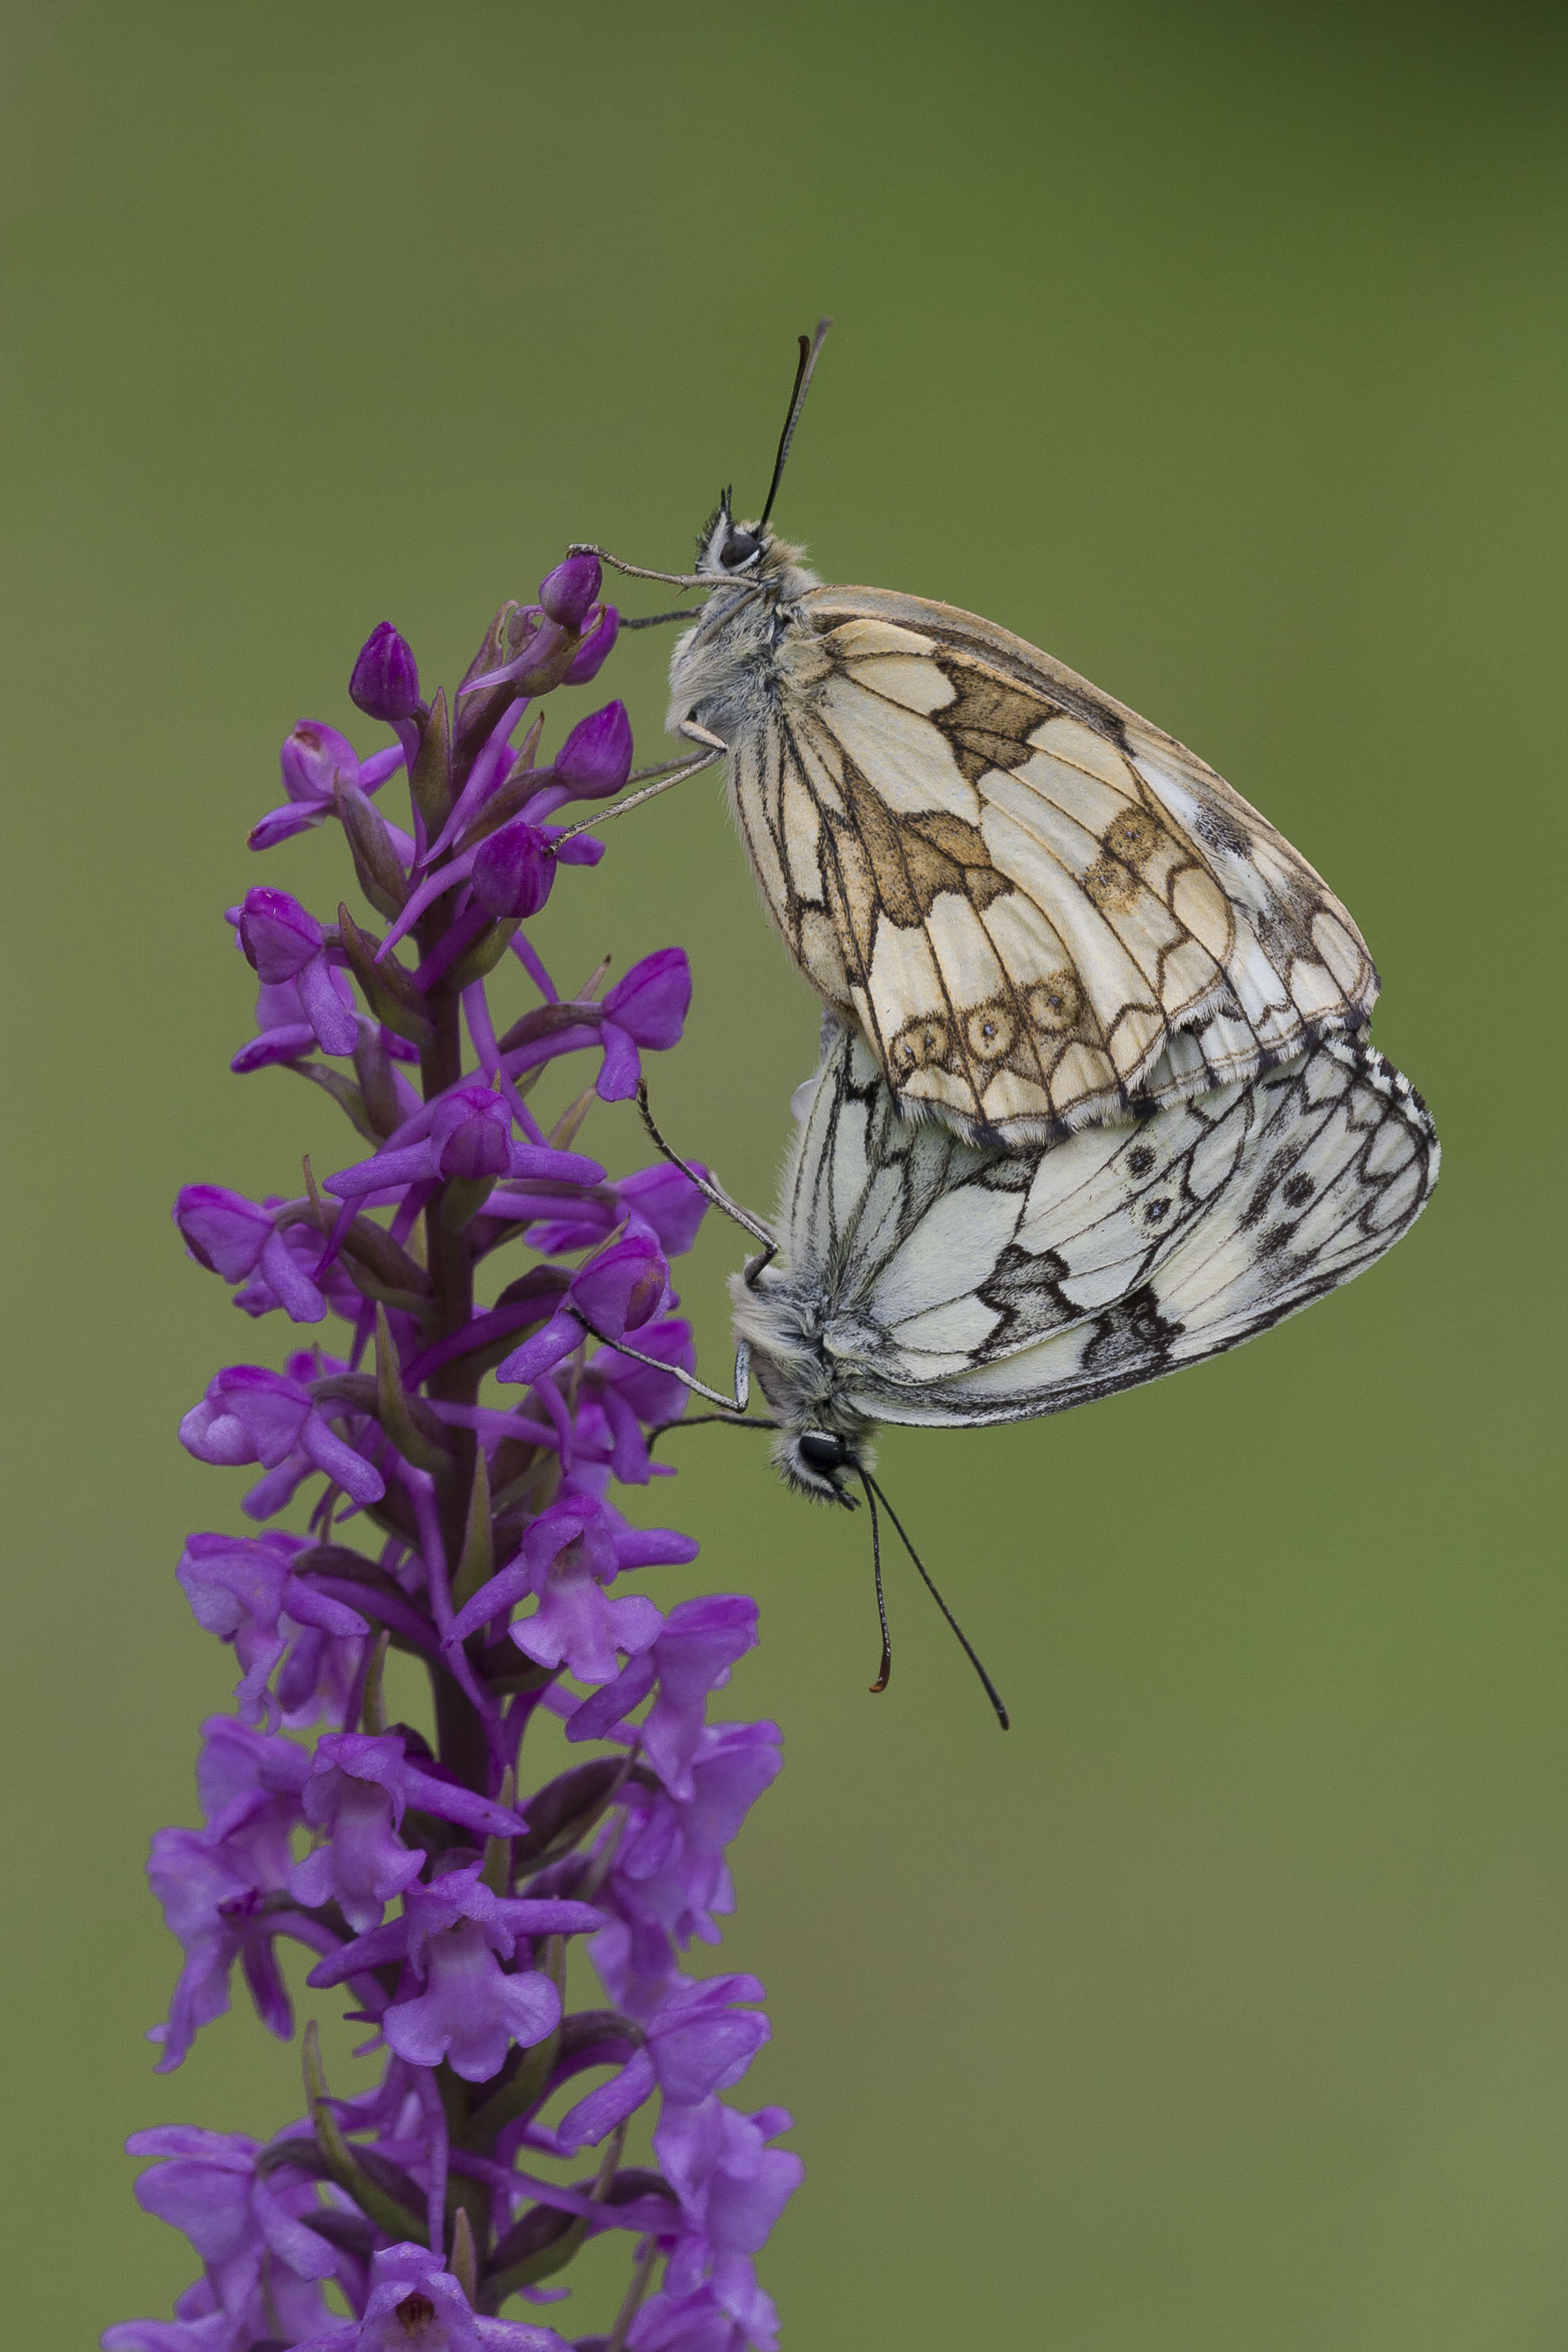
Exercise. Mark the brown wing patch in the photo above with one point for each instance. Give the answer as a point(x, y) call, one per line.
point(988, 722)
point(912, 859)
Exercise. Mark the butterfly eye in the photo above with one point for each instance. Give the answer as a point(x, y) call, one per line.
point(738, 548)
point(820, 1451)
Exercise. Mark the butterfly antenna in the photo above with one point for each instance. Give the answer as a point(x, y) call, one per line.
point(809, 347)
point(883, 1672)
point(963, 1642)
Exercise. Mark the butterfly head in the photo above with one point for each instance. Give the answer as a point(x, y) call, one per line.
point(752, 552)
point(820, 1464)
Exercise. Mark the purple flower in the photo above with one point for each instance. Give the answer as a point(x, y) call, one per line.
point(359, 1788)
point(250, 1414)
point(732, 2186)
point(569, 1554)
point(647, 1008)
point(596, 758)
point(230, 1235)
point(663, 1198)
point(729, 2312)
point(303, 1245)
point(692, 1655)
point(385, 680)
point(670, 1875)
point(699, 2041)
point(215, 1883)
point(315, 757)
point(243, 1588)
point(465, 1133)
point(285, 1034)
point(595, 650)
point(452, 1937)
point(417, 2307)
point(617, 1291)
point(250, 2228)
point(513, 870)
point(283, 942)
point(567, 593)
point(628, 1393)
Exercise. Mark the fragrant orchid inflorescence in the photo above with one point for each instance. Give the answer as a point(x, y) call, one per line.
point(480, 1539)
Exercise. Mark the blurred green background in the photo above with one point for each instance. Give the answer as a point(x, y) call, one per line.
point(1221, 351)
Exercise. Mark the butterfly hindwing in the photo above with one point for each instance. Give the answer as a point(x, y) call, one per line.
point(931, 1282)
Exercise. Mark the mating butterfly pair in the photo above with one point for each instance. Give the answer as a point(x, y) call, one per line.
point(1094, 1102)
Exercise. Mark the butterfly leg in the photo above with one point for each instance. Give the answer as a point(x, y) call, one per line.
point(640, 570)
point(648, 792)
point(733, 1404)
point(712, 1191)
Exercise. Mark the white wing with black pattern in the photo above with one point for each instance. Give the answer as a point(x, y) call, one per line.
point(925, 1281)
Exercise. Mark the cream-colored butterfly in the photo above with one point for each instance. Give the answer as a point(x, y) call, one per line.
point(1040, 912)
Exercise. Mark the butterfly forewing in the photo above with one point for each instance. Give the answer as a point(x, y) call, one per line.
point(1042, 912)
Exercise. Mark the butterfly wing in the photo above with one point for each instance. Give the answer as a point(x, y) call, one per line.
point(1042, 911)
point(1133, 1255)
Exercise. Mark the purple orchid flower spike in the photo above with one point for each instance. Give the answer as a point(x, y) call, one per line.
point(283, 943)
point(473, 1531)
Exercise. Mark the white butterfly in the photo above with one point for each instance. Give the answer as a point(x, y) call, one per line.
point(916, 1278)
point(1041, 911)
point(921, 1280)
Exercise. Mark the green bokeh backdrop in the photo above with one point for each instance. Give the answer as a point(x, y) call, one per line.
point(1221, 351)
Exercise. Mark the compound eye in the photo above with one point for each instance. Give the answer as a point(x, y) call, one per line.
point(820, 1451)
point(738, 548)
